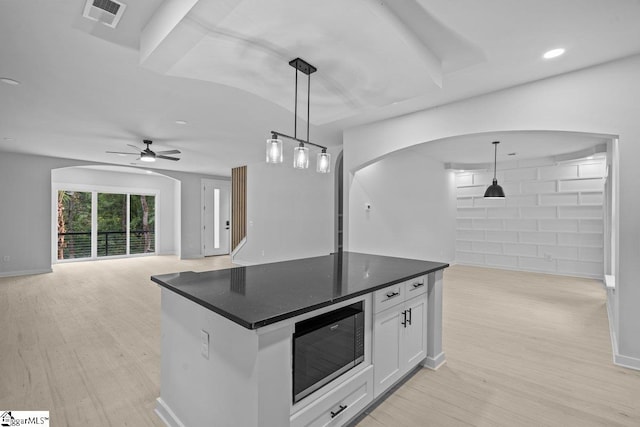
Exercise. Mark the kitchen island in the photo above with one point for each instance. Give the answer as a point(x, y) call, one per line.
point(227, 337)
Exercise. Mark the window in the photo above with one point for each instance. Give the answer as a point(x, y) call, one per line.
point(96, 225)
point(74, 224)
point(142, 223)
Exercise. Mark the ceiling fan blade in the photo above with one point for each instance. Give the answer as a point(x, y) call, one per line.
point(168, 152)
point(167, 157)
point(120, 152)
point(133, 146)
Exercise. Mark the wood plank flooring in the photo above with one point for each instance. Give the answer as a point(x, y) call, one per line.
point(84, 341)
point(522, 349)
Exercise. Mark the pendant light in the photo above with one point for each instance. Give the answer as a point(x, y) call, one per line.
point(274, 150)
point(494, 191)
point(301, 157)
point(323, 163)
point(274, 153)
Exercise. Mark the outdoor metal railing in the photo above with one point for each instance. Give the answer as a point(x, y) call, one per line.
point(77, 244)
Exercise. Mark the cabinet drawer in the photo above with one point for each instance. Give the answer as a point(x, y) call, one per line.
point(340, 404)
point(416, 286)
point(388, 297)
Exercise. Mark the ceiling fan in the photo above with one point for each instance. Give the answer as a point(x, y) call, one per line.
point(147, 155)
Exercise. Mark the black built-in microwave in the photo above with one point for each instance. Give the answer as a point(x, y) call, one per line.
point(325, 347)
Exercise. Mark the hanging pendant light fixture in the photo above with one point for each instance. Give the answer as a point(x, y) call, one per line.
point(301, 157)
point(494, 191)
point(274, 150)
point(300, 153)
point(323, 163)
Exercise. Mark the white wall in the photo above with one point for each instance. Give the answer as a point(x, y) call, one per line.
point(190, 216)
point(600, 100)
point(412, 212)
point(25, 213)
point(551, 220)
point(166, 234)
point(290, 213)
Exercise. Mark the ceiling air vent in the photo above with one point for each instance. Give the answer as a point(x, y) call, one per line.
point(108, 12)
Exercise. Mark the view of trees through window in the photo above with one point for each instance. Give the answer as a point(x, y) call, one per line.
point(112, 237)
point(74, 224)
point(112, 224)
point(142, 224)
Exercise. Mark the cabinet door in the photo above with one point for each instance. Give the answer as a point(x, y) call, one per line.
point(387, 348)
point(415, 338)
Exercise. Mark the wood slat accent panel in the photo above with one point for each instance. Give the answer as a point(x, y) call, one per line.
point(238, 205)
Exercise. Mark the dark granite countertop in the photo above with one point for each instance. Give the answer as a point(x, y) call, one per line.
point(259, 295)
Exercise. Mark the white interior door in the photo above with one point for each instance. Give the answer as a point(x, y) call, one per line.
point(215, 217)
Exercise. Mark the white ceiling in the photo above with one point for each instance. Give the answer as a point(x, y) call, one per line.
point(223, 67)
point(469, 151)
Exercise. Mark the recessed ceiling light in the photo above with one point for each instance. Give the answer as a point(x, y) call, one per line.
point(149, 172)
point(553, 53)
point(590, 158)
point(181, 122)
point(9, 81)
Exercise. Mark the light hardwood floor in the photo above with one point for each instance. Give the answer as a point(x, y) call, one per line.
point(522, 349)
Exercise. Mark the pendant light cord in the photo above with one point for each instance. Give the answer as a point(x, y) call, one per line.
point(295, 110)
point(495, 160)
point(308, 102)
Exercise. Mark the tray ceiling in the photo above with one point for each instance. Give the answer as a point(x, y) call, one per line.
point(370, 55)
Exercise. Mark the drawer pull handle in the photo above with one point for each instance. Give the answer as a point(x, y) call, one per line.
point(409, 319)
point(392, 294)
point(336, 413)
point(417, 285)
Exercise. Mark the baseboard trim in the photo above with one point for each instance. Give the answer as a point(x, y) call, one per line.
point(192, 256)
point(434, 363)
point(626, 361)
point(235, 251)
point(166, 414)
point(25, 272)
point(552, 273)
point(618, 359)
point(166, 253)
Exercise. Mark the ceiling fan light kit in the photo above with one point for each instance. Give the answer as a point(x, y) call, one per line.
point(274, 150)
point(494, 191)
point(147, 155)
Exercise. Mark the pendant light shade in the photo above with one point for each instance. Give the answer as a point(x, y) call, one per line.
point(494, 191)
point(274, 150)
point(323, 164)
point(301, 157)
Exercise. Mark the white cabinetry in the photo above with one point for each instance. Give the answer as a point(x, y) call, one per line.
point(338, 405)
point(399, 332)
